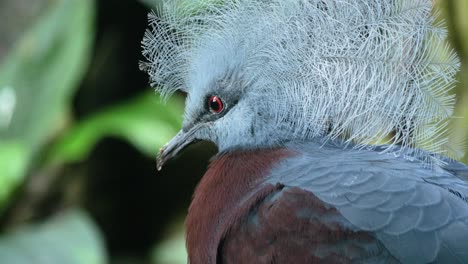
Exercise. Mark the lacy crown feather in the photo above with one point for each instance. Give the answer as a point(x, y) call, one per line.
point(364, 70)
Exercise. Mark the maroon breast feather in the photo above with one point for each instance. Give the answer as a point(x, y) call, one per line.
point(293, 226)
point(235, 217)
point(232, 185)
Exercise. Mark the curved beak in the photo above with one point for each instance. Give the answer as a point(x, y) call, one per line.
point(177, 144)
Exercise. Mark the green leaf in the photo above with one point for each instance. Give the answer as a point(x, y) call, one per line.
point(44, 70)
point(37, 79)
point(70, 238)
point(146, 122)
point(13, 157)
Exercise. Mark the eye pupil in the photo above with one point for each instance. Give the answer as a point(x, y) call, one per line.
point(215, 104)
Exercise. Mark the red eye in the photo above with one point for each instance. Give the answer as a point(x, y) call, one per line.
point(215, 105)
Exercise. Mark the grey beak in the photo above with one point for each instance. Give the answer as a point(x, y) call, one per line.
point(177, 144)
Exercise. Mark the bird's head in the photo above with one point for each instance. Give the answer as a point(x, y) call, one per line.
point(260, 73)
point(226, 106)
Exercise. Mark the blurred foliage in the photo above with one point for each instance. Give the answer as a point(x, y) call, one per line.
point(42, 72)
point(172, 249)
point(145, 122)
point(38, 77)
point(60, 49)
point(70, 238)
point(13, 162)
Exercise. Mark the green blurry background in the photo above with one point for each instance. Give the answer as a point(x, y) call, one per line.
point(80, 128)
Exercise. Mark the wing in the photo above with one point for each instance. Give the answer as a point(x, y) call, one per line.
point(413, 211)
point(458, 169)
point(457, 185)
point(293, 226)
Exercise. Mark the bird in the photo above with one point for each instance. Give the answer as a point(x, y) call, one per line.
point(331, 120)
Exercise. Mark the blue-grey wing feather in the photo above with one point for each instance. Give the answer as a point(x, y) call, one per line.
point(458, 169)
point(420, 214)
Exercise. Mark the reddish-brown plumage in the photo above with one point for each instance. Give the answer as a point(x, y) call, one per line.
point(233, 184)
point(294, 226)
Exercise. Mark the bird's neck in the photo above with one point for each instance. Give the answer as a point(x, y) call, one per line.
point(233, 184)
